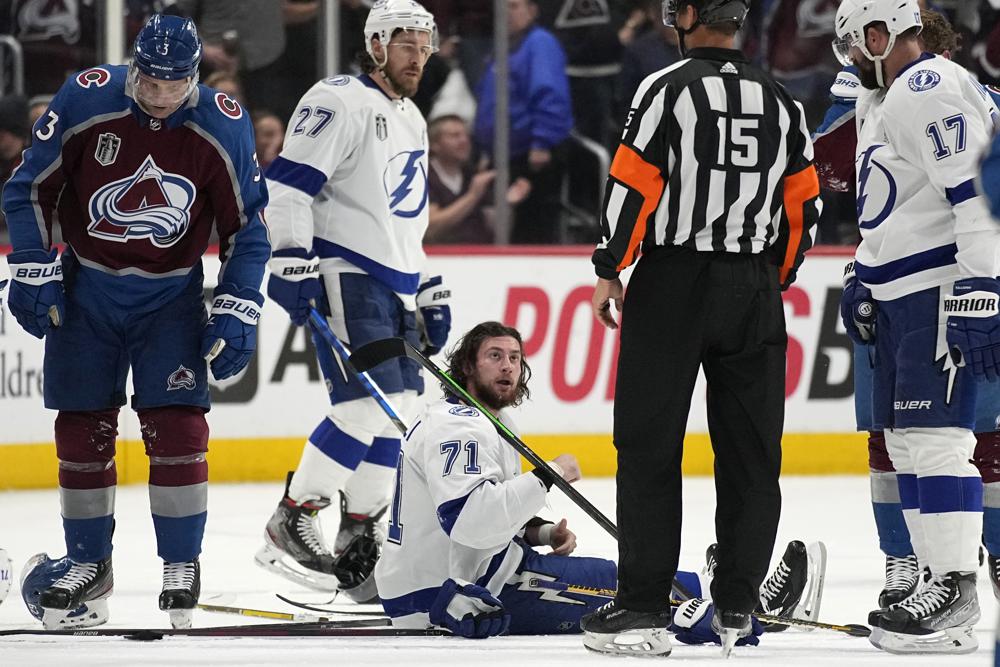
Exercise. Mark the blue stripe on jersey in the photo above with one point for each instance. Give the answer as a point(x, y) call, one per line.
point(448, 511)
point(961, 192)
point(397, 281)
point(909, 496)
point(384, 452)
point(412, 603)
point(946, 493)
point(338, 445)
point(498, 559)
point(906, 266)
point(296, 175)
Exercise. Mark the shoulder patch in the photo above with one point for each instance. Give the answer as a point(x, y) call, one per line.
point(464, 411)
point(339, 80)
point(95, 76)
point(922, 80)
point(228, 106)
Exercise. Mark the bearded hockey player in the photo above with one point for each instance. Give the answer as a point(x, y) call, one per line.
point(926, 267)
point(347, 217)
point(137, 164)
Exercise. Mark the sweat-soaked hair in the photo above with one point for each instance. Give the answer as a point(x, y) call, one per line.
point(462, 358)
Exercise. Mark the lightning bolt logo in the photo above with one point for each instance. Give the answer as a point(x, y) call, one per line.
point(864, 172)
point(534, 582)
point(405, 173)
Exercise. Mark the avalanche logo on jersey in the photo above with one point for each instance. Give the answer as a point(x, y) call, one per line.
point(405, 181)
point(876, 190)
point(151, 203)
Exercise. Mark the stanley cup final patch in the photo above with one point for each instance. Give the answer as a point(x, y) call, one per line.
point(107, 148)
point(182, 378)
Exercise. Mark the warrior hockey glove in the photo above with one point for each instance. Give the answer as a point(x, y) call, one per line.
point(468, 610)
point(974, 324)
point(36, 298)
point(857, 309)
point(230, 336)
point(432, 300)
point(693, 624)
point(294, 283)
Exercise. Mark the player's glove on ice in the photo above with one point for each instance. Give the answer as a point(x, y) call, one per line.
point(973, 313)
point(857, 309)
point(693, 624)
point(36, 298)
point(469, 610)
point(432, 300)
point(230, 336)
point(294, 283)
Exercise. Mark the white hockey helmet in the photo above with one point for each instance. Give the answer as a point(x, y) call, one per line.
point(388, 16)
point(853, 15)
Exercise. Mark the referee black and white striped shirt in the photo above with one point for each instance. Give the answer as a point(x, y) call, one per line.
point(716, 157)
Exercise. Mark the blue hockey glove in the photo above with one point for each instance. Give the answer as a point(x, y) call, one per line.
point(693, 624)
point(857, 309)
point(294, 283)
point(974, 324)
point(469, 610)
point(231, 333)
point(432, 300)
point(36, 298)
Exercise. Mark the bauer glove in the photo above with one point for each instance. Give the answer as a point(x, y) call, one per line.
point(36, 299)
point(230, 336)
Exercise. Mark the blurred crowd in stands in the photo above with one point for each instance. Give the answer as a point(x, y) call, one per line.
point(574, 65)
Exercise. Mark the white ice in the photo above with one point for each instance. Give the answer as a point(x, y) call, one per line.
point(833, 509)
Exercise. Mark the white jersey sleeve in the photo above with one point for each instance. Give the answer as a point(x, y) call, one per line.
point(481, 500)
point(320, 136)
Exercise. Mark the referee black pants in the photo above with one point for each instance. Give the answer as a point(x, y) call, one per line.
point(722, 312)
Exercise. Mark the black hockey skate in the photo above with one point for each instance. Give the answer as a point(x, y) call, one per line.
point(181, 590)
point(294, 546)
point(781, 592)
point(618, 631)
point(902, 574)
point(710, 559)
point(731, 626)
point(993, 564)
point(357, 550)
point(82, 583)
point(940, 618)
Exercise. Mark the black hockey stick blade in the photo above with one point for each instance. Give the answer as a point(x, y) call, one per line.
point(357, 628)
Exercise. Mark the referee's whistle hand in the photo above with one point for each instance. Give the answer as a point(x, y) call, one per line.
point(605, 292)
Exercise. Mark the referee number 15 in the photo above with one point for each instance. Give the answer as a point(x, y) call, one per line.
point(740, 135)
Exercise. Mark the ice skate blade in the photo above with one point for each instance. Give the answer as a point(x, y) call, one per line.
point(957, 640)
point(180, 619)
point(729, 638)
point(808, 607)
point(94, 612)
point(639, 643)
point(274, 560)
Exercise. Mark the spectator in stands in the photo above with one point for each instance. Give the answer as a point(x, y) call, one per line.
point(14, 132)
point(651, 51)
point(470, 24)
point(541, 118)
point(458, 192)
point(227, 83)
point(269, 132)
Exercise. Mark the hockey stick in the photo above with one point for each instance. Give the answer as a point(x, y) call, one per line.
point(326, 610)
point(285, 616)
point(370, 355)
point(852, 629)
point(326, 629)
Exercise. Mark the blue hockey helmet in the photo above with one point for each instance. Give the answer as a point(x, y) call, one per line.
point(39, 573)
point(167, 49)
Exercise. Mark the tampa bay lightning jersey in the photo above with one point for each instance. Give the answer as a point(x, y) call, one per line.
point(351, 183)
point(136, 197)
point(919, 143)
point(459, 502)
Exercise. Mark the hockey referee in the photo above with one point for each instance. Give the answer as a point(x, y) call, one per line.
point(714, 179)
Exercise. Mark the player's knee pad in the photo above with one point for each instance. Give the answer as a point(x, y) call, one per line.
point(361, 419)
point(878, 455)
point(176, 439)
point(85, 446)
point(941, 451)
point(899, 453)
point(987, 456)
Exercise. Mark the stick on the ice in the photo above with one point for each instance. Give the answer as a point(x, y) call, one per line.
point(285, 616)
point(853, 629)
point(358, 628)
point(326, 610)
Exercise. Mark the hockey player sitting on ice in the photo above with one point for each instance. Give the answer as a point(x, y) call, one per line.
point(138, 164)
point(924, 289)
point(460, 550)
point(347, 216)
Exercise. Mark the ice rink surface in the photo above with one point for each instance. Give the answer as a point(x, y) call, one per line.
point(833, 509)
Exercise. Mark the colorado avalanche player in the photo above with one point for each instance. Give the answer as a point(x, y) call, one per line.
point(136, 163)
point(347, 216)
point(835, 142)
point(927, 267)
point(460, 549)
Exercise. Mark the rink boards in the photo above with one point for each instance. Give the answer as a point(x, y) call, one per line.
point(260, 419)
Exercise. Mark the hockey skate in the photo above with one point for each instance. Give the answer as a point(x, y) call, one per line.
point(357, 549)
point(710, 560)
point(940, 618)
point(75, 595)
point(294, 546)
point(993, 564)
point(902, 574)
point(795, 588)
point(616, 631)
point(731, 626)
point(181, 589)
